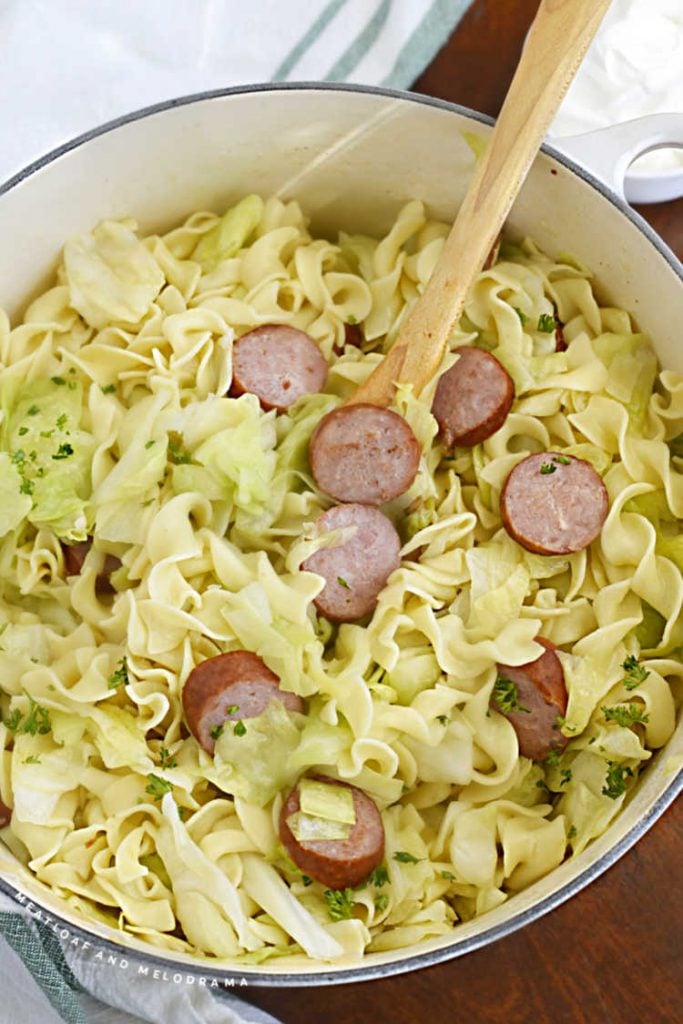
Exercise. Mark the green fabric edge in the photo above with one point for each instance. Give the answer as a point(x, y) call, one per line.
point(43, 957)
point(308, 38)
point(359, 46)
point(425, 42)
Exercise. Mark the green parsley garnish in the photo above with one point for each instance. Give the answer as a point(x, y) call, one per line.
point(351, 319)
point(217, 732)
point(342, 583)
point(553, 758)
point(108, 389)
point(32, 759)
point(566, 776)
point(635, 673)
point(443, 719)
point(406, 858)
point(33, 411)
point(379, 877)
point(26, 486)
point(62, 420)
point(176, 453)
point(307, 880)
point(546, 323)
point(240, 729)
point(448, 875)
point(523, 318)
point(150, 444)
point(120, 676)
point(572, 832)
point(64, 451)
point(18, 456)
point(339, 903)
point(615, 781)
point(166, 761)
point(625, 715)
point(58, 380)
point(232, 709)
point(12, 722)
point(547, 468)
point(22, 430)
point(37, 720)
point(381, 902)
point(506, 696)
point(46, 433)
point(157, 786)
point(562, 459)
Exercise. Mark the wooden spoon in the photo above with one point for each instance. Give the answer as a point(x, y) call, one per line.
point(557, 42)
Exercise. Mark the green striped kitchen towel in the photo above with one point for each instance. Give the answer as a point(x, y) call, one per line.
point(96, 61)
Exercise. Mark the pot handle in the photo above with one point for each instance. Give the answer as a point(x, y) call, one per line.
point(609, 152)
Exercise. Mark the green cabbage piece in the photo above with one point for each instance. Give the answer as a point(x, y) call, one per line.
point(231, 233)
point(120, 498)
point(112, 277)
point(14, 506)
point(633, 367)
point(650, 631)
point(655, 508)
point(52, 455)
point(255, 764)
point(324, 800)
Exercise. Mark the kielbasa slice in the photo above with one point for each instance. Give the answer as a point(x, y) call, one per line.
point(337, 863)
point(74, 558)
point(553, 504)
point(229, 687)
point(542, 692)
point(362, 453)
point(472, 398)
point(278, 364)
point(356, 571)
point(5, 814)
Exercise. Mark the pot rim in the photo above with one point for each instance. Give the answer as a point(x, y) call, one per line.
point(432, 957)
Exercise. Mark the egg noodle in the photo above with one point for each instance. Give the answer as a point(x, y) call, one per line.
point(116, 425)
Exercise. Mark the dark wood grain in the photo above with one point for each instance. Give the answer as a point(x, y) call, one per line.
point(611, 954)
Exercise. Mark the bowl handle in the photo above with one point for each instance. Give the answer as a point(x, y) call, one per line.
point(608, 152)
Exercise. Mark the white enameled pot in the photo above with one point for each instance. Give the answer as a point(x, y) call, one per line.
point(352, 156)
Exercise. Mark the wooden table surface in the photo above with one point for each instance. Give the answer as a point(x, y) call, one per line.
point(610, 955)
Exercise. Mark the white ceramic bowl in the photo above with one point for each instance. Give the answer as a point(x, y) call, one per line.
point(352, 156)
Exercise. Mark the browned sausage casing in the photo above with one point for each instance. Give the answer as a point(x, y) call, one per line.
point(5, 814)
point(540, 689)
point(74, 558)
point(337, 863)
point(361, 453)
point(238, 679)
point(553, 512)
point(358, 570)
point(278, 364)
point(472, 398)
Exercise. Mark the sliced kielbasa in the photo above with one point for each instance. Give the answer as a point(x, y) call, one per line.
point(553, 504)
point(74, 558)
point(278, 364)
point(337, 863)
point(5, 814)
point(362, 453)
point(229, 687)
point(560, 343)
point(472, 398)
point(542, 693)
point(353, 335)
point(356, 571)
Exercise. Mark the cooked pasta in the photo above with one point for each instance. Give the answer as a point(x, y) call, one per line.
point(117, 425)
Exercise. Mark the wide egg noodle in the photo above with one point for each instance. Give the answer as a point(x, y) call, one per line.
point(209, 505)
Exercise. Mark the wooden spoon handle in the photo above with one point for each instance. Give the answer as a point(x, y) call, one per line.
point(558, 39)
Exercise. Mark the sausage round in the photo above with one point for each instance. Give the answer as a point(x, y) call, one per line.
point(74, 557)
point(278, 364)
point(553, 504)
point(362, 453)
point(541, 690)
point(238, 680)
point(353, 335)
point(472, 398)
point(5, 814)
point(337, 863)
point(355, 572)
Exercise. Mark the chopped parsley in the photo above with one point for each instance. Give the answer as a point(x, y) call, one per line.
point(165, 759)
point(625, 715)
point(307, 880)
point(150, 444)
point(232, 709)
point(157, 786)
point(342, 583)
point(565, 776)
point(448, 875)
point(217, 732)
point(553, 758)
point(443, 719)
point(635, 673)
point(547, 468)
point(562, 459)
point(572, 832)
point(120, 676)
point(13, 720)
point(339, 903)
point(176, 453)
point(33, 411)
point(26, 486)
point(379, 877)
point(37, 720)
point(506, 696)
point(46, 433)
point(523, 318)
point(406, 858)
point(64, 451)
point(381, 902)
point(615, 781)
point(59, 381)
point(22, 430)
point(32, 759)
point(240, 729)
point(108, 389)
point(62, 420)
point(18, 456)
point(351, 319)
point(546, 323)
